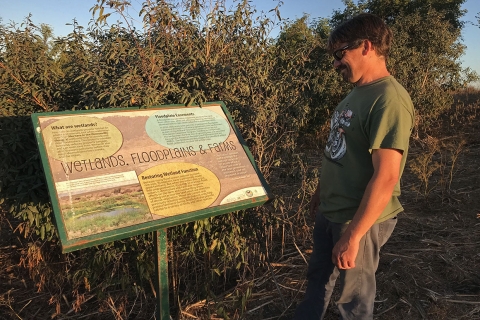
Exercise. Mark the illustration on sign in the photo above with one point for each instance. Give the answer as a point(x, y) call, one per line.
point(117, 169)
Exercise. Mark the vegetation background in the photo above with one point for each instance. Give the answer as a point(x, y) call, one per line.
point(251, 264)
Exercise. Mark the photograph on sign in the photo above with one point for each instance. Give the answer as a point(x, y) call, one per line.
point(111, 170)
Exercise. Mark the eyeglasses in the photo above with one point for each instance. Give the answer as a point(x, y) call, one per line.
point(338, 54)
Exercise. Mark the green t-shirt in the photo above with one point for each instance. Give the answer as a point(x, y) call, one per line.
point(374, 116)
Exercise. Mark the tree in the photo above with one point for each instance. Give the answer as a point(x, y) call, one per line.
point(28, 70)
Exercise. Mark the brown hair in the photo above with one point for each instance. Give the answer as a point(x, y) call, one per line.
point(365, 26)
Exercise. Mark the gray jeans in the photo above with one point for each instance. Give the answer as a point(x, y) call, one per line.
point(357, 285)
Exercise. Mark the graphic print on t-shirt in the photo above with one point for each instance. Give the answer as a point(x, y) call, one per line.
point(337, 145)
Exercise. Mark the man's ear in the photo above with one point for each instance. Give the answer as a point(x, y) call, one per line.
point(367, 47)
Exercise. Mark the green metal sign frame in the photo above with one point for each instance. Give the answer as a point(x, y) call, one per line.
point(71, 244)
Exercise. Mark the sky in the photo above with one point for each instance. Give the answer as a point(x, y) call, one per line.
point(57, 13)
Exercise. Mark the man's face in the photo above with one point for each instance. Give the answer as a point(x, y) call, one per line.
point(348, 61)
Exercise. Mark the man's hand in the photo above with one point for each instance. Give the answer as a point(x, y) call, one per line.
point(345, 252)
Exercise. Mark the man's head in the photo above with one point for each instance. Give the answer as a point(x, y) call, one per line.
point(360, 47)
point(364, 26)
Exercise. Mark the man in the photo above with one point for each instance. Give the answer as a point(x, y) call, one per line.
point(355, 204)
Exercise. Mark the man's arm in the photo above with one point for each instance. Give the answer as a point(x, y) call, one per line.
point(386, 164)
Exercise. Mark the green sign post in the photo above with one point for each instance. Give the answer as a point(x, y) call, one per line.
point(163, 308)
point(117, 173)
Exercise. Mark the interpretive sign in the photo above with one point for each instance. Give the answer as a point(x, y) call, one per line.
point(115, 173)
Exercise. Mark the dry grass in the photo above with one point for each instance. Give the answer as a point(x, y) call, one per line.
point(430, 268)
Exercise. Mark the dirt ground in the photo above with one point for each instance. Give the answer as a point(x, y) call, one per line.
point(429, 269)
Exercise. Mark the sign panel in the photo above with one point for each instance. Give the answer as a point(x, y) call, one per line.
point(115, 173)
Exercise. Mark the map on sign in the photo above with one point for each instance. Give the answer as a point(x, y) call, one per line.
point(113, 169)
